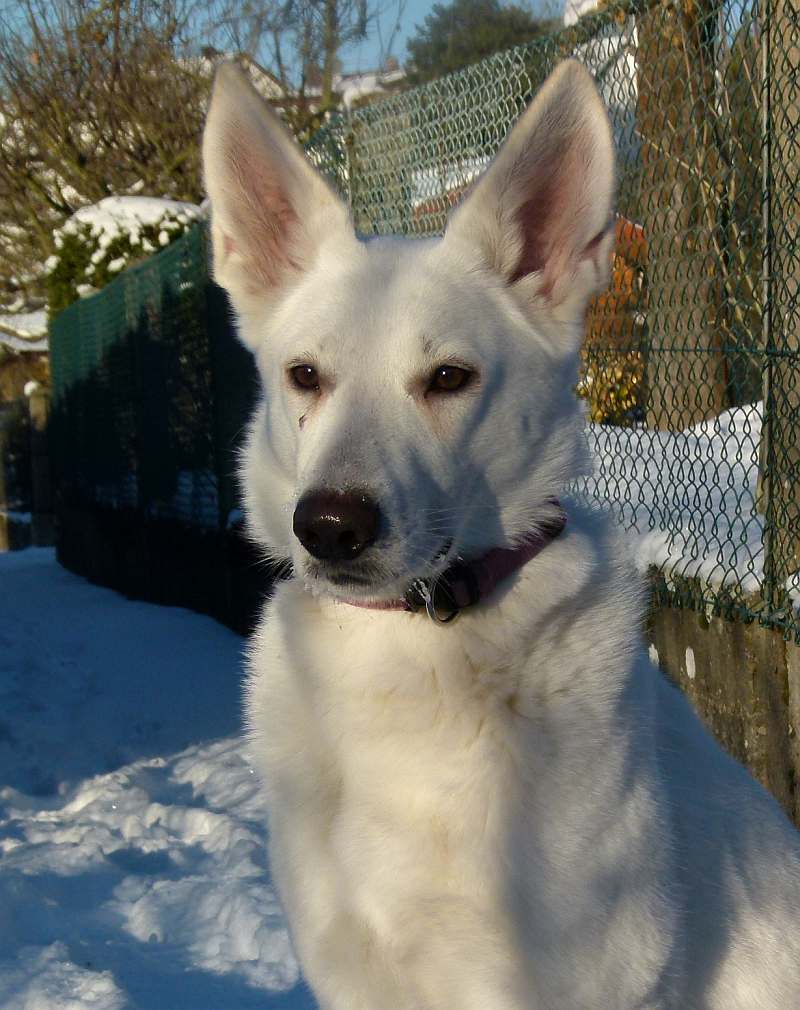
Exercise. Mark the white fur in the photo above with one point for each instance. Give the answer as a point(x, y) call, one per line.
point(513, 812)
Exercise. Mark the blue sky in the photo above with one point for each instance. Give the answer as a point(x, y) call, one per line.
point(367, 55)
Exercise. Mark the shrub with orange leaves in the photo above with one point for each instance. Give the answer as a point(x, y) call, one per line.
point(613, 364)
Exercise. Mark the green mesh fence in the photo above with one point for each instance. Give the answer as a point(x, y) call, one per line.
point(691, 359)
point(150, 392)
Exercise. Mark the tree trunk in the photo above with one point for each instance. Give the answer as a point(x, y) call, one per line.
point(679, 209)
point(330, 47)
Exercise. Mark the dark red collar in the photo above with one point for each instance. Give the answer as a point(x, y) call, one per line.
point(466, 583)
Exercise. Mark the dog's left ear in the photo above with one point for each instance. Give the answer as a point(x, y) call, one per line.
point(541, 215)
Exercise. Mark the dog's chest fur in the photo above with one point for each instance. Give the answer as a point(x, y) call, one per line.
point(457, 813)
point(412, 740)
point(416, 785)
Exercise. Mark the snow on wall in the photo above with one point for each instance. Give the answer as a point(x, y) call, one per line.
point(575, 9)
point(611, 57)
point(688, 498)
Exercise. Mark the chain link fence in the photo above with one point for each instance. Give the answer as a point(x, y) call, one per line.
point(691, 359)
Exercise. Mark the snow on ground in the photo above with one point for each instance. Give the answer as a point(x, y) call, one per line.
point(132, 844)
point(445, 181)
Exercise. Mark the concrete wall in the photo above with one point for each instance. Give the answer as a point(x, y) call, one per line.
point(744, 680)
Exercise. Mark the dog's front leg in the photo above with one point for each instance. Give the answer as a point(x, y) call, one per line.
point(460, 955)
point(347, 965)
point(440, 955)
point(348, 970)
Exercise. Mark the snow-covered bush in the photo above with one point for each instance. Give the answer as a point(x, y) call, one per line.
point(101, 240)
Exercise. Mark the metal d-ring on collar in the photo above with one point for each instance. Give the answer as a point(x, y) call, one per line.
point(420, 590)
point(438, 595)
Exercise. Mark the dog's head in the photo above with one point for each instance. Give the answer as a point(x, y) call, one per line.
point(418, 397)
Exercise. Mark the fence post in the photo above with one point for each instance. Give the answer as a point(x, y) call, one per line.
point(42, 531)
point(779, 495)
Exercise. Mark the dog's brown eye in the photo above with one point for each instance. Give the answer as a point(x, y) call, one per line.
point(448, 379)
point(304, 377)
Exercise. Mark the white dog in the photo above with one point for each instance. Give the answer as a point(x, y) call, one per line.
point(514, 810)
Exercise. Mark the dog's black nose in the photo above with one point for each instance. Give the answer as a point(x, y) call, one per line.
point(336, 525)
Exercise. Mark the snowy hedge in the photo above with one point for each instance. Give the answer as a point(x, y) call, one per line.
point(101, 240)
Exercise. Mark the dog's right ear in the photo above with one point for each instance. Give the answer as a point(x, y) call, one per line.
point(270, 209)
point(541, 216)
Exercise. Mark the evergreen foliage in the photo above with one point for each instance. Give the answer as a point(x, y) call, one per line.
point(91, 253)
point(462, 32)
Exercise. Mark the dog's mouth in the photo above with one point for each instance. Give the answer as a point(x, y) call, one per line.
point(347, 580)
point(372, 580)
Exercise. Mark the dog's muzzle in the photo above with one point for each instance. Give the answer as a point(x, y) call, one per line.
point(465, 583)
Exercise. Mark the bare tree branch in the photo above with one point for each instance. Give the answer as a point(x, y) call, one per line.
point(96, 98)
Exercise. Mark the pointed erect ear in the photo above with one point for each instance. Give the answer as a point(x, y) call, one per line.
point(270, 209)
point(541, 215)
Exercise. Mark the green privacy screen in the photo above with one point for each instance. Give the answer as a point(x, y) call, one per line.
point(690, 365)
point(151, 390)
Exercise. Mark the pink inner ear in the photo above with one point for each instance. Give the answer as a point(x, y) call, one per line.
point(549, 218)
point(265, 223)
point(533, 218)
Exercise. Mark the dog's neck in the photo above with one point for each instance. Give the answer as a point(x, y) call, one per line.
point(466, 583)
